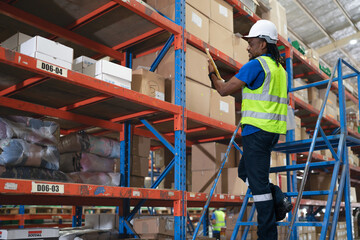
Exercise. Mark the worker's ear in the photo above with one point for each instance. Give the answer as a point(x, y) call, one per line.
point(263, 45)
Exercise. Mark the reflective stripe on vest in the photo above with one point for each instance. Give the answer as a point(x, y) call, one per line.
point(220, 220)
point(266, 107)
point(262, 197)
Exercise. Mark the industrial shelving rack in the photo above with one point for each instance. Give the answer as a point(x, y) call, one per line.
point(87, 102)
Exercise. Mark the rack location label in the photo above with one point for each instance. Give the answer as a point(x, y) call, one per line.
point(52, 68)
point(46, 188)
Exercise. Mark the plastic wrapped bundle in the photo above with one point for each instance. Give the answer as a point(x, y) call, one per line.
point(30, 129)
point(18, 152)
point(33, 173)
point(96, 178)
point(82, 142)
point(85, 162)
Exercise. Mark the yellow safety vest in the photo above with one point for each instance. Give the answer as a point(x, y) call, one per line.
point(220, 220)
point(266, 106)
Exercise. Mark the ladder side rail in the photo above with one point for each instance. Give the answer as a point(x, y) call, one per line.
point(247, 227)
point(241, 214)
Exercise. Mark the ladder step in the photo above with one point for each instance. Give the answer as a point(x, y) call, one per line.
point(302, 166)
point(306, 193)
point(304, 145)
point(308, 224)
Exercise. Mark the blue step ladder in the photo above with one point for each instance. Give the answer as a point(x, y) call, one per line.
point(318, 142)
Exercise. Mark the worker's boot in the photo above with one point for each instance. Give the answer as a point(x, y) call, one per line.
point(282, 204)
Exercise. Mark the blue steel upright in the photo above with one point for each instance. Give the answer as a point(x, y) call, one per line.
point(180, 135)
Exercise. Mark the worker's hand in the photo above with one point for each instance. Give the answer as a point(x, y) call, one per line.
point(210, 66)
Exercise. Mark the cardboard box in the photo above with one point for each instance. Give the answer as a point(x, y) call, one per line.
point(202, 181)
point(231, 183)
point(30, 233)
point(92, 221)
point(197, 96)
point(302, 94)
point(313, 56)
point(277, 15)
point(52, 60)
point(241, 54)
point(140, 146)
point(317, 103)
point(158, 158)
point(320, 181)
point(148, 83)
point(196, 65)
point(221, 38)
point(282, 182)
point(139, 166)
point(40, 47)
point(353, 197)
point(154, 225)
point(144, 61)
point(332, 98)
point(313, 94)
point(304, 134)
point(137, 181)
point(208, 156)
point(14, 42)
point(82, 62)
point(108, 221)
point(201, 6)
point(111, 73)
point(297, 128)
point(196, 22)
point(222, 108)
point(222, 13)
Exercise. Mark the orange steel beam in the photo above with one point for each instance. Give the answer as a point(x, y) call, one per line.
point(20, 86)
point(87, 190)
point(151, 15)
point(35, 21)
point(157, 121)
point(22, 61)
point(149, 51)
point(86, 102)
point(43, 110)
point(134, 115)
point(146, 133)
point(199, 129)
point(211, 122)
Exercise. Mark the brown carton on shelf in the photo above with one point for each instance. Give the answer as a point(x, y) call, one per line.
point(241, 54)
point(197, 96)
point(139, 166)
point(222, 13)
point(222, 108)
point(144, 61)
point(277, 15)
point(302, 94)
point(231, 183)
point(137, 181)
point(297, 128)
point(154, 225)
point(208, 156)
point(221, 38)
point(196, 65)
point(320, 181)
point(313, 56)
point(140, 146)
point(202, 181)
point(313, 94)
point(196, 22)
point(201, 6)
point(148, 83)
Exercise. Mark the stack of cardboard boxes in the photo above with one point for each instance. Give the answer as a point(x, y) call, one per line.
point(232, 214)
point(139, 160)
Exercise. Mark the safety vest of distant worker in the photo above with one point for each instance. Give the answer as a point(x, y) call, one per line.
point(266, 106)
point(220, 220)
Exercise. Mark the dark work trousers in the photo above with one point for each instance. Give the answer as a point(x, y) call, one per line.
point(254, 166)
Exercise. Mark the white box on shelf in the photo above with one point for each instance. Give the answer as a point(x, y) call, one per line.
point(48, 47)
point(30, 233)
point(82, 62)
point(53, 60)
point(111, 73)
point(92, 221)
point(14, 42)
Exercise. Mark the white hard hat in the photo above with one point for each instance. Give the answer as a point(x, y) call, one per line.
point(264, 29)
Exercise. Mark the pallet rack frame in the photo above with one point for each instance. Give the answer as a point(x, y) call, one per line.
point(180, 113)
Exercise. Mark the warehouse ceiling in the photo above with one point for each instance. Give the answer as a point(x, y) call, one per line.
point(332, 27)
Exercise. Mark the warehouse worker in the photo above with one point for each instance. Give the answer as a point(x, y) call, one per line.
point(218, 222)
point(263, 109)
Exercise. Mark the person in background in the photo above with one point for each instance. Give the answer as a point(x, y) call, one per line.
point(218, 222)
point(263, 83)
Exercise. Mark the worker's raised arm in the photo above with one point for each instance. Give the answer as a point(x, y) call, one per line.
point(225, 88)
